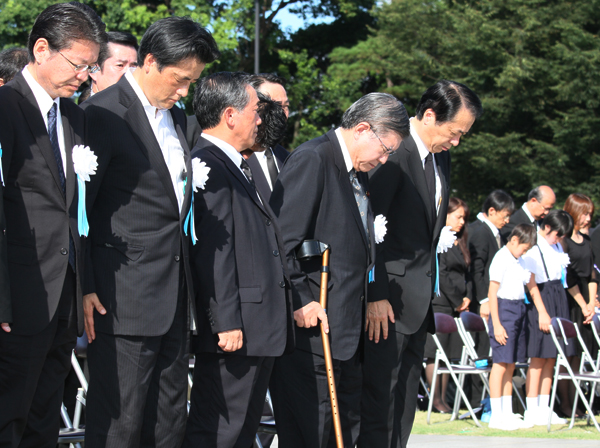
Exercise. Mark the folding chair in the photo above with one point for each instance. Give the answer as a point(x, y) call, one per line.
point(586, 360)
point(564, 329)
point(72, 433)
point(596, 329)
point(445, 324)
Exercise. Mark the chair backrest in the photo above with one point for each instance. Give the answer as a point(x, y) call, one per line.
point(444, 324)
point(472, 321)
point(568, 329)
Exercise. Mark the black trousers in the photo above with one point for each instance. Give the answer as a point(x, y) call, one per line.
point(227, 400)
point(300, 392)
point(138, 387)
point(391, 373)
point(33, 369)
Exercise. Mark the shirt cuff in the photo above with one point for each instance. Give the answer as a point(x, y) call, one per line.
point(486, 300)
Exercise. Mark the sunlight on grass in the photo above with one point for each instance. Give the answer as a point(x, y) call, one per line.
point(441, 425)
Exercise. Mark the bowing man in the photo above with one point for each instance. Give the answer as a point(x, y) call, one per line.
point(322, 194)
point(41, 249)
point(138, 282)
point(244, 317)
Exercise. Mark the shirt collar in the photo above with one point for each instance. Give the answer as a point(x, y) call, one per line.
point(43, 99)
point(228, 149)
point(492, 227)
point(345, 152)
point(151, 111)
point(423, 151)
point(526, 210)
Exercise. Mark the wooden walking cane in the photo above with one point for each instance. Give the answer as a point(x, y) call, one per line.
point(311, 248)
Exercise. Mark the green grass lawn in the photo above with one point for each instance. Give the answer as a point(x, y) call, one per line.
point(441, 425)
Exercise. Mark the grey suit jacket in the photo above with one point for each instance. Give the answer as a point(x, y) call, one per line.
point(405, 268)
point(137, 252)
point(37, 217)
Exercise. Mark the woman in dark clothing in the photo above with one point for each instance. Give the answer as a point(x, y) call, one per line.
point(582, 284)
point(455, 294)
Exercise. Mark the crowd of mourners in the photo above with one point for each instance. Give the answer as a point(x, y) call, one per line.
point(168, 242)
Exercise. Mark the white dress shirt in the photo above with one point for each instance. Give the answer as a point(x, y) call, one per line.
point(163, 127)
point(554, 257)
point(423, 152)
point(530, 216)
point(511, 273)
point(493, 228)
point(45, 102)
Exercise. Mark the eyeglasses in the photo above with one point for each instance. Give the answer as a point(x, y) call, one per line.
point(81, 67)
point(386, 151)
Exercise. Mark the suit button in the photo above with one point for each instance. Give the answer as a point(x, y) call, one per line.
point(268, 222)
point(275, 253)
point(362, 298)
point(428, 273)
point(282, 284)
point(176, 258)
point(63, 251)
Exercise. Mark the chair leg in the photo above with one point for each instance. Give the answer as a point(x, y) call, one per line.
point(432, 389)
point(554, 387)
point(257, 442)
point(464, 397)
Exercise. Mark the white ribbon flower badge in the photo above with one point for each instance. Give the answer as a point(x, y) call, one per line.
point(84, 164)
point(199, 179)
point(447, 239)
point(379, 228)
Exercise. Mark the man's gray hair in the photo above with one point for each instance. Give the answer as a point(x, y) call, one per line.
point(384, 112)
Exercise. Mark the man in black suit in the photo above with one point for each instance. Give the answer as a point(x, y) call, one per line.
point(12, 61)
point(138, 282)
point(322, 194)
point(244, 315)
point(41, 254)
point(412, 192)
point(540, 201)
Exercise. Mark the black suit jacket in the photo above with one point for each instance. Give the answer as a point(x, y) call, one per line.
point(238, 262)
point(405, 270)
point(518, 217)
point(193, 131)
point(483, 246)
point(455, 280)
point(313, 199)
point(260, 178)
point(136, 246)
point(37, 217)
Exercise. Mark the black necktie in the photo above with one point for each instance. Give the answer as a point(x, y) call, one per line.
point(430, 180)
point(53, 134)
point(248, 172)
point(271, 166)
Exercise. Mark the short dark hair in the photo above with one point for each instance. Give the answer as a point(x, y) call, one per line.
point(63, 23)
point(559, 221)
point(12, 61)
point(174, 39)
point(535, 194)
point(119, 38)
point(217, 92)
point(446, 98)
point(258, 80)
point(525, 233)
point(384, 112)
point(498, 200)
point(273, 124)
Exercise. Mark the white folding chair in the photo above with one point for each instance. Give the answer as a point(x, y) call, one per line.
point(445, 324)
point(564, 329)
point(72, 433)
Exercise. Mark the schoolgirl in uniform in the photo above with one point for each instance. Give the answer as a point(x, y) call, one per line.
point(508, 277)
point(548, 264)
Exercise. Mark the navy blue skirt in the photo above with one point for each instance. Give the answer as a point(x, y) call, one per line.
point(512, 314)
point(539, 344)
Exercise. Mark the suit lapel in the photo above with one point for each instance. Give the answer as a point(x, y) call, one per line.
point(136, 118)
point(418, 176)
point(179, 122)
point(259, 176)
point(35, 121)
point(445, 183)
point(344, 180)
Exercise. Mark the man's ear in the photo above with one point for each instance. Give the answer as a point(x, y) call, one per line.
point(2, 82)
point(229, 116)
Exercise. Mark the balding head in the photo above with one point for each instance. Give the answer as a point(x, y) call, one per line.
point(540, 201)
